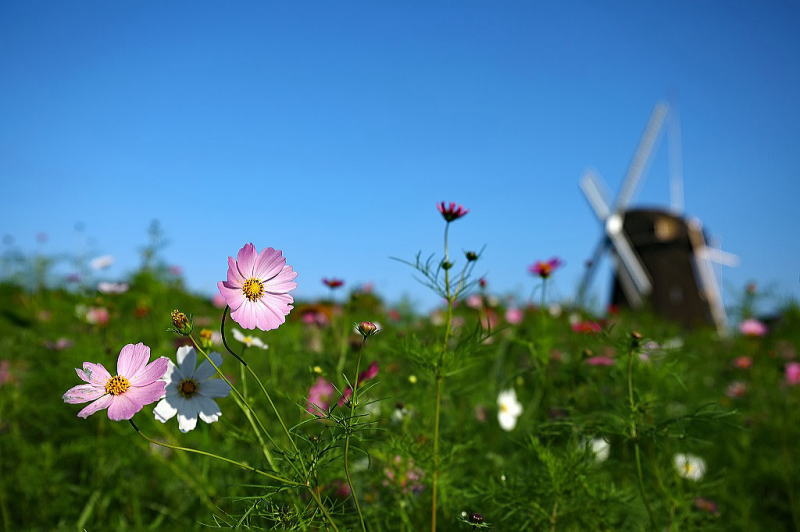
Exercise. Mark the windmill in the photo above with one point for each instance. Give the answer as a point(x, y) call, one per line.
point(662, 259)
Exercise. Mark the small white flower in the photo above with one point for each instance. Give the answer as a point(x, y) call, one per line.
point(555, 310)
point(191, 391)
point(690, 466)
point(102, 262)
point(249, 341)
point(112, 288)
point(600, 449)
point(509, 409)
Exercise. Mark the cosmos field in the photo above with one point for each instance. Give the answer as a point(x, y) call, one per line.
point(253, 410)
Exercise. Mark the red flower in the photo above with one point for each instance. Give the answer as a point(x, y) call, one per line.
point(332, 282)
point(545, 268)
point(451, 212)
point(587, 327)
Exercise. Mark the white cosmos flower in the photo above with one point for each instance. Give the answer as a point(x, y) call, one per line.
point(112, 288)
point(690, 466)
point(191, 390)
point(249, 341)
point(102, 262)
point(600, 449)
point(509, 409)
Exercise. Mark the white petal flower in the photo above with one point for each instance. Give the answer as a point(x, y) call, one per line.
point(690, 466)
point(112, 288)
point(600, 448)
point(249, 341)
point(191, 390)
point(509, 409)
point(102, 262)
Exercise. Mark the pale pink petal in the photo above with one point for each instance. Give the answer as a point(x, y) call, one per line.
point(269, 315)
point(234, 277)
point(247, 314)
point(283, 282)
point(269, 264)
point(246, 260)
point(83, 393)
point(122, 407)
point(151, 372)
point(94, 373)
point(91, 408)
point(234, 297)
point(132, 359)
point(144, 395)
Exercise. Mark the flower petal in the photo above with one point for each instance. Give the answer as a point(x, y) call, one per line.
point(246, 315)
point(165, 410)
point(283, 282)
point(187, 416)
point(122, 407)
point(269, 264)
point(233, 296)
point(246, 260)
point(153, 371)
point(83, 393)
point(208, 409)
point(94, 373)
point(144, 395)
point(187, 360)
point(234, 277)
point(132, 358)
point(206, 370)
point(213, 388)
point(91, 408)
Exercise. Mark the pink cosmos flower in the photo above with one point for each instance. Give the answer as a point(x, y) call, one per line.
point(752, 328)
point(793, 373)
point(600, 361)
point(59, 345)
point(218, 301)
point(319, 396)
point(514, 316)
point(545, 269)
point(706, 505)
point(5, 372)
point(257, 289)
point(97, 315)
point(475, 301)
point(451, 212)
point(743, 362)
point(136, 384)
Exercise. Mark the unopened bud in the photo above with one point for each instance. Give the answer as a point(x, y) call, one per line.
point(636, 338)
point(181, 322)
point(475, 517)
point(446, 265)
point(471, 256)
point(367, 329)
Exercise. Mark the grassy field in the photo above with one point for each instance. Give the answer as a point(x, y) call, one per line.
point(603, 416)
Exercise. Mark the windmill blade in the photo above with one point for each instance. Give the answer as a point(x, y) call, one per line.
point(591, 269)
point(718, 256)
point(675, 162)
point(641, 157)
point(592, 189)
point(627, 256)
point(626, 283)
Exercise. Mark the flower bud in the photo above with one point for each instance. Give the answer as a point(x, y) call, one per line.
point(636, 339)
point(367, 329)
point(471, 256)
point(446, 265)
point(475, 517)
point(181, 322)
point(206, 338)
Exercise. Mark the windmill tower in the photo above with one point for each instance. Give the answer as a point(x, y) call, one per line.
point(661, 259)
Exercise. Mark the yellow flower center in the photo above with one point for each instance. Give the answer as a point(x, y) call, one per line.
point(117, 385)
point(253, 289)
point(504, 407)
point(187, 388)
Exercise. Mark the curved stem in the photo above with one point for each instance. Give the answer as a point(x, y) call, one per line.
point(212, 455)
point(241, 402)
point(347, 438)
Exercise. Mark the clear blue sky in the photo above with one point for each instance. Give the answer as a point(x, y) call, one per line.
point(330, 129)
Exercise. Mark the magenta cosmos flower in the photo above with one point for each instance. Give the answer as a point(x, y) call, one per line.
point(451, 212)
point(136, 384)
point(257, 289)
point(545, 268)
point(752, 328)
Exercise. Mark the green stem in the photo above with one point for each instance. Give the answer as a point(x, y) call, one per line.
point(353, 400)
point(634, 433)
point(212, 455)
point(439, 379)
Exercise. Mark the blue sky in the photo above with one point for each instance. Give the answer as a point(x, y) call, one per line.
point(330, 130)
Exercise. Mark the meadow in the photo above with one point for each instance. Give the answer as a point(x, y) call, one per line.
point(492, 411)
